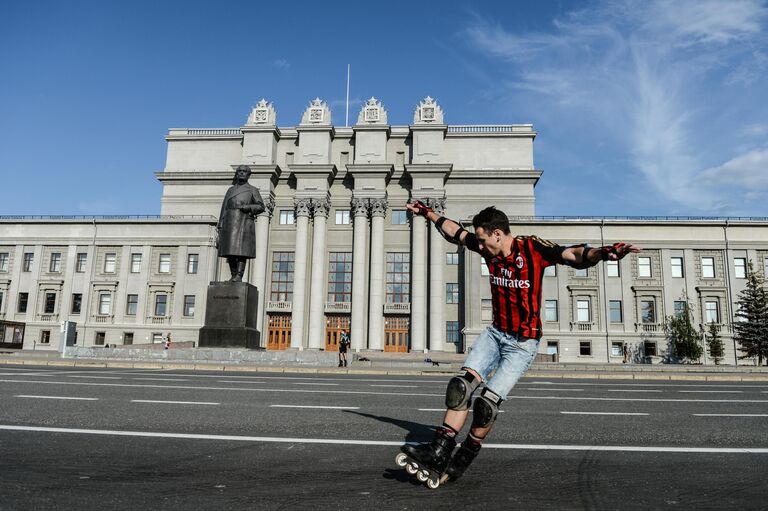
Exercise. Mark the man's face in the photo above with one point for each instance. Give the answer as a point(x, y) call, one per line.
point(490, 243)
point(242, 175)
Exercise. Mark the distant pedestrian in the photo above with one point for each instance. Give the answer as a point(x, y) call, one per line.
point(343, 347)
point(167, 344)
point(626, 353)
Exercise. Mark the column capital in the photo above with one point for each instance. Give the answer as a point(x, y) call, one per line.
point(269, 204)
point(360, 207)
point(321, 207)
point(302, 207)
point(379, 207)
point(436, 203)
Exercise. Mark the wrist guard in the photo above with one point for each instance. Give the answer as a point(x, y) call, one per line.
point(616, 249)
point(423, 209)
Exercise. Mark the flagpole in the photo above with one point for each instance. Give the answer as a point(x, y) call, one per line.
point(346, 121)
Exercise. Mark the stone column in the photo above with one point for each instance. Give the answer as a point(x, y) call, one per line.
point(418, 284)
point(436, 282)
point(260, 263)
point(359, 302)
point(299, 273)
point(320, 210)
point(376, 294)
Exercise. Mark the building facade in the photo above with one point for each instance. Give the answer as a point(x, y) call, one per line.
point(336, 249)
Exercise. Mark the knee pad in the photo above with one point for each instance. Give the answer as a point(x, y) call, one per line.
point(460, 390)
point(485, 408)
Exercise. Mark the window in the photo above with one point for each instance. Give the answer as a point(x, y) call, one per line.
point(398, 277)
point(740, 268)
point(737, 312)
point(582, 311)
point(131, 305)
point(484, 269)
point(617, 348)
point(708, 267)
point(286, 217)
point(3, 261)
point(77, 303)
point(550, 271)
point(486, 303)
point(282, 277)
point(157, 337)
point(127, 337)
point(110, 262)
point(679, 308)
point(650, 348)
point(612, 268)
point(648, 311)
point(192, 262)
point(342, 217)
point(615, 313)
point(23, 299)
point(135, 263)
point(189, 305)
point(550, 310)
point(677, 267)
point(452, 292)
point(711, 313)
point(644, 267)
point(585, 348)
point(340, 277)
point(161, 302)
point(80, 260)
point(105, 304)
point(765, 267)
point(399, 217)
point(165, 263)
point(55, 266)
point(452, 332)
point(50, 303)
point(451, 258)
point(29, 258)
point(45, 337)
point(100, 338)
point(580, 272)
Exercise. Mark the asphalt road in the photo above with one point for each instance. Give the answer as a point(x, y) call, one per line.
point(75, 438)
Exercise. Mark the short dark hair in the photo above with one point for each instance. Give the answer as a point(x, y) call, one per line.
point(491, 219)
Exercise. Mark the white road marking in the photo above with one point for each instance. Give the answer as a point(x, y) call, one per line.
point(348, 442)
point(173, 402)
point(371, 393)
point(603, 413)
point(314, 383)
point(230, 381)
point(730, 414)
point(643, 391)
point(158, 379)
point(95, 377)
point(58, 397)
point(443, 409)
point(318, 407)
point(711, 391)
point(400, 386)
point(554, 390)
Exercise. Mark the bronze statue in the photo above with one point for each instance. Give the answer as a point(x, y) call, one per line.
point(237, 229)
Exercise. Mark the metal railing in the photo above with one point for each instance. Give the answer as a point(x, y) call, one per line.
point(397, 308)
point(107, 217)
point(491, 128)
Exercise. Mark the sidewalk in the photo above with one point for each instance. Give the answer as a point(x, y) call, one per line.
point(373, 363)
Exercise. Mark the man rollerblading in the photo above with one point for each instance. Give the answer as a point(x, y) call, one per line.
point(502, 353)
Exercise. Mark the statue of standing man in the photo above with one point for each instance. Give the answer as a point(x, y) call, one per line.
point(237, 229)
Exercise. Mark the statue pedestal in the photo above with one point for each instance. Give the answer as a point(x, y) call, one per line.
point(230, 316)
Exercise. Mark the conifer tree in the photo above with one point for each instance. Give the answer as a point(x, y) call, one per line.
point(715, 343)
point(685, 342)
point(751, 328)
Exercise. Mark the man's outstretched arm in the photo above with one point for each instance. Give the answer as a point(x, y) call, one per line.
point(451, 230)
point(584, 256)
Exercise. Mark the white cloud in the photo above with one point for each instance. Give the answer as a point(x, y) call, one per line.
point(645, 70)
point(748, 171)
point(281, 64)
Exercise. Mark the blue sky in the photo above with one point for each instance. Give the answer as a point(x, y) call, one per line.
point(641, 108)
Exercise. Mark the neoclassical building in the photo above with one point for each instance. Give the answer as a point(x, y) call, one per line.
point(337, 250)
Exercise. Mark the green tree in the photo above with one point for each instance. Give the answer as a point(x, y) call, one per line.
point(715, 343)
point(685, 342)
point(751, 328)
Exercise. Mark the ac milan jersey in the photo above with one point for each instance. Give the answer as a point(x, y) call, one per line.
point(516, 283)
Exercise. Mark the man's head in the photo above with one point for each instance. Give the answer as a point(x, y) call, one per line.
point(491, 226)
point(242, 173)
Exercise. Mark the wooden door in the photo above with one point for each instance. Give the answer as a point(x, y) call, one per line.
point(334, 324)
point(279, 337)
point(396, 336)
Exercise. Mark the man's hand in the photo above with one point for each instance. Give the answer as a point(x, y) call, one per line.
point(418, 208)
point(617, 251)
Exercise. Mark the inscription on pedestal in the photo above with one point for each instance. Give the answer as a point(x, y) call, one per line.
point(230, 316)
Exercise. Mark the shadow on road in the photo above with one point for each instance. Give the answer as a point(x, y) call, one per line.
point(415, 432)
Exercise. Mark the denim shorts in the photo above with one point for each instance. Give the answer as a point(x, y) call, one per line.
point(507, 354)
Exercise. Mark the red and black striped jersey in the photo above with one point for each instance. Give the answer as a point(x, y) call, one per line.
point(516, 283)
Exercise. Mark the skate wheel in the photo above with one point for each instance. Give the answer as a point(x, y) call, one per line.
point(422, 476)
point(411, 468)
point(433, 483)
point(401, 460)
